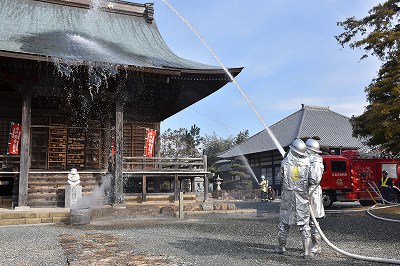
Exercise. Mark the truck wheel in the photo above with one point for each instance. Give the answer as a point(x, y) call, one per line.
point(327, 199)
point(396, 197)
point(366, 203)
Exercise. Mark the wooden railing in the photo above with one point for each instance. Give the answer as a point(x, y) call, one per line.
point(163, 164)
point(9, 163)
point(132, 164)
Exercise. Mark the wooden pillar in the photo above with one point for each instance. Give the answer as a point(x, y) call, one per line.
point(119, 144)
point(157, 149)
point(176, 188)
point(25, 149)
point(144, 186)
point(107, 145)
point(192, 185)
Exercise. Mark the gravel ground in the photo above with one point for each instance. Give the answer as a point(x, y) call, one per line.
point(206, 239)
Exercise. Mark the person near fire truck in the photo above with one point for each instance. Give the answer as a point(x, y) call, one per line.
point(264, 188)
point(315, 190)
point(270, 194)
point(294, 173)
point(386, 186)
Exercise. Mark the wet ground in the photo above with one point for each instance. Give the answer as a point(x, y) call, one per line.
point(203, 239)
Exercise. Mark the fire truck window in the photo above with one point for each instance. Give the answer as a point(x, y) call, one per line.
point(324, 167)
point(338, 166)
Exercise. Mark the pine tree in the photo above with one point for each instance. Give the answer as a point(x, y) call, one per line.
point(378, 34)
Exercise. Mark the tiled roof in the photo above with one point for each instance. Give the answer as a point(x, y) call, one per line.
point(68, 30)
point(333, 129)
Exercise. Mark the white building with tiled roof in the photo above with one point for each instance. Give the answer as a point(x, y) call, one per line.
point(333, 129)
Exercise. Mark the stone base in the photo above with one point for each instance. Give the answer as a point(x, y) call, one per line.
point(80, 216)
point(22, 208)
point(72, 195)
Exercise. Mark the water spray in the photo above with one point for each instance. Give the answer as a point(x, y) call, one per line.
point(278, 145)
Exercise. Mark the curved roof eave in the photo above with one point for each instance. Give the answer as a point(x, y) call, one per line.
point(159, 70)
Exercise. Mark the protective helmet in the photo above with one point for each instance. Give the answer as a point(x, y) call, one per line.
point(298, 146)
point(384, 172)
point(262, 177)
point(313, 145)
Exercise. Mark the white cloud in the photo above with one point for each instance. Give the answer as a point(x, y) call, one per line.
point(347, 106)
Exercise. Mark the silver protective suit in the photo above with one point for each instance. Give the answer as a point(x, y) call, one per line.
point(316, 171)
point(294, 210)
point(295, 173)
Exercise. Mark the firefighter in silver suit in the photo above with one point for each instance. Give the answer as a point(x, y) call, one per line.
point(316, 203)
point(294, 210)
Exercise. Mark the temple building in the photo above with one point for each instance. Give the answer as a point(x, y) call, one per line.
point(85, 85)
point(333, 130)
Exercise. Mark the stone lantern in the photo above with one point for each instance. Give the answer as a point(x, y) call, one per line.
point(73, 192)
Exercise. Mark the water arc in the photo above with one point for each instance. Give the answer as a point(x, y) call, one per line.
point(276, 142)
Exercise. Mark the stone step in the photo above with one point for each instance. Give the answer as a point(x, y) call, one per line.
point(51, 187)
point(45, 203)
point(15, 217)
point(46, 189)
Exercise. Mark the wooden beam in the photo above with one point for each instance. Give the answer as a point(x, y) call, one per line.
point(119, 145)
point(25, 149)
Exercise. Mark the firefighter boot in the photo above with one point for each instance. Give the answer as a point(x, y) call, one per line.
point(281, 249)
point(316, 244)
point(307, 248)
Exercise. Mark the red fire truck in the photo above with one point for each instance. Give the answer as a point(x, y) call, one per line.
point(348, 177)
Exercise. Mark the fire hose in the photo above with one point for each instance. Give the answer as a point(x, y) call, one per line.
point(354, 256)
point(382, 218)
point(376, 190)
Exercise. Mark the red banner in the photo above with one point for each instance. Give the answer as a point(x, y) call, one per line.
point(113, 146)
point(150, 139)
point(15, 137)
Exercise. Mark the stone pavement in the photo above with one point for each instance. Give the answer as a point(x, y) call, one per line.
point(105, 249)
point(234, 238)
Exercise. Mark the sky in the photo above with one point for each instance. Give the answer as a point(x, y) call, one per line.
point(289, 54)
